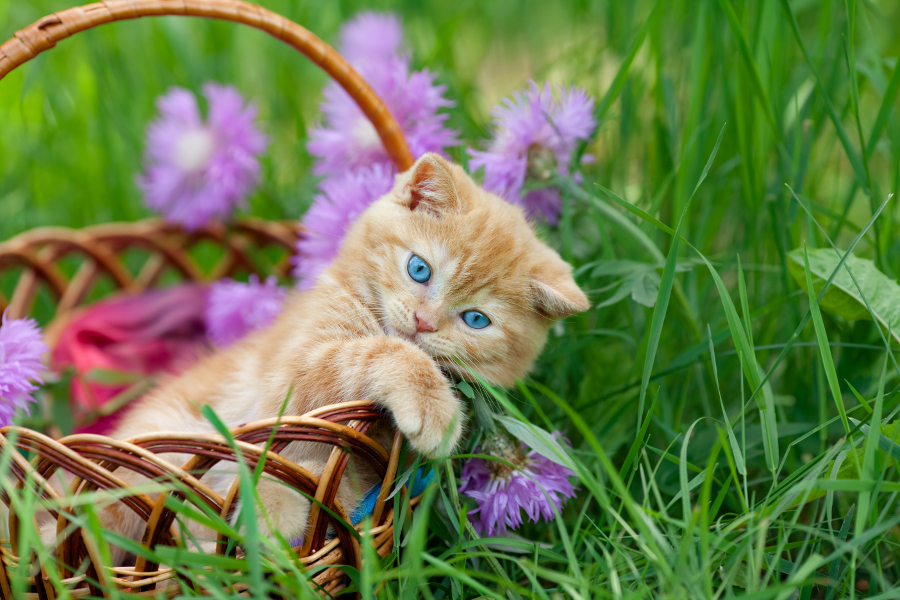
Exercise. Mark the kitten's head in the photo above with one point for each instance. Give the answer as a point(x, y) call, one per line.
point(458, 272)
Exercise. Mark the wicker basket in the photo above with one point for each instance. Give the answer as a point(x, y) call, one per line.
point(94, 460)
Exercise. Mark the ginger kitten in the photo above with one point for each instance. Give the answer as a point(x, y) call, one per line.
point(436, 270)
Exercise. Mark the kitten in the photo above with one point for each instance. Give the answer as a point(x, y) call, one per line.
point(436, 270)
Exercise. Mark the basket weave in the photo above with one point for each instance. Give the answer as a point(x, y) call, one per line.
point(96, 460)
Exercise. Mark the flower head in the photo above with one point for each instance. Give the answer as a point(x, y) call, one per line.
point(371, 43)
point(234, 309)
point(371, 37)
point(537, 485)
point(536, 131)
point(199, 170)
point(21, 348)
point(333, 211)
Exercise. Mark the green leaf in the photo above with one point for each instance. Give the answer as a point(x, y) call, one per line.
point(466, 389)
point(620, 295)
point(639, 280)
point(632, 267)
point(539, 440)
point(613, 268)
point(645, 288)
point(112, 376)
point(887, 439)
point(61, 411)
point(843, 298)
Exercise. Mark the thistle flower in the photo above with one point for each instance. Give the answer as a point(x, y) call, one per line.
point(371, 37)
point(536, 485)
point(346, 139)
point(333, 211)
point(201, 170)
point(536, 131)
point(234, 309)
point(21, 348)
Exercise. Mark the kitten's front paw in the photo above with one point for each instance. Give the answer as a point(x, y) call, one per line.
point(431, 419)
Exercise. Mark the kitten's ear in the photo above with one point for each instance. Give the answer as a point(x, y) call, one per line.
point(431, 186)
point(554, 292)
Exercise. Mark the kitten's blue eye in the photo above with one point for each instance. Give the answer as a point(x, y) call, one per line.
point(476, 319)
point(418, 269)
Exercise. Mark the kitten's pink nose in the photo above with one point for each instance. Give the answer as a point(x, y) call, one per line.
point(422, 324)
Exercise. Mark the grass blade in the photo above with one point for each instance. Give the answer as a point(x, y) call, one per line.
point(824, 348)
point(732, 439)
point(665, 287)
point(852, 155)
point(873, 441)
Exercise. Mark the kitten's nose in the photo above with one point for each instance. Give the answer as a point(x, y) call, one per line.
point(422, 324)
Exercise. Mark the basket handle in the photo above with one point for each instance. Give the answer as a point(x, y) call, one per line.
point(43, 35)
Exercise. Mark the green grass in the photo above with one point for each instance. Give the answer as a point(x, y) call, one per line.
point(723, 441)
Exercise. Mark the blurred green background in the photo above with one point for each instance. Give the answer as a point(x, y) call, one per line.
point(73, 119)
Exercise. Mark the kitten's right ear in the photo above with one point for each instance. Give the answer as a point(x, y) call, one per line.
point(431, 186)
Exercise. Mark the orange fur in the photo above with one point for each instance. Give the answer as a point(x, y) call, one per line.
point(353, 336)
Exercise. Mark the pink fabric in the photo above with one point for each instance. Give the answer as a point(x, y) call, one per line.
point(154, 332)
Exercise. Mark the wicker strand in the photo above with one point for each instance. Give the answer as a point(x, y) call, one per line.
point(45, 33)
point(39, 251)
point(96, 460)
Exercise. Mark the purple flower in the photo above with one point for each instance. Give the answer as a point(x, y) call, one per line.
point(234, 309)
point(536, 132)
point(343, 198)
point(21, 348)
point(347, 139)
point(196, 171)
point(538, 486)
point(371, 37)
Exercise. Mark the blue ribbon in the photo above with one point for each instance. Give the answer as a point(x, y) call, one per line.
point(366, 506)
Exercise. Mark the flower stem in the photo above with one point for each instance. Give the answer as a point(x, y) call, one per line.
point(457, 506)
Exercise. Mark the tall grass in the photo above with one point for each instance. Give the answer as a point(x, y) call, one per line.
point(734, 438)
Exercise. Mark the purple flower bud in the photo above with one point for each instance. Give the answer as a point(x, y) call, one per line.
point(536, 131)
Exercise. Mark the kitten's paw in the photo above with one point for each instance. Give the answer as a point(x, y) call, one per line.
point(431, 419)
point(286, 510)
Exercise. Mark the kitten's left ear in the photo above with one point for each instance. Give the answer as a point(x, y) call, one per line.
point(554, 291)
point(431, 186)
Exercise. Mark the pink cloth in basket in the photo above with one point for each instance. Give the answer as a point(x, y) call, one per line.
point(160, 331)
